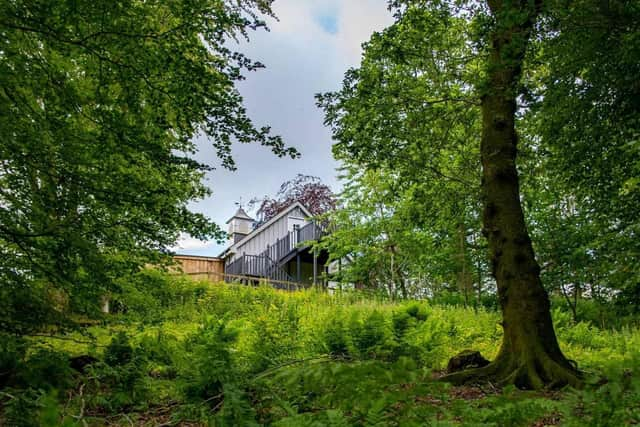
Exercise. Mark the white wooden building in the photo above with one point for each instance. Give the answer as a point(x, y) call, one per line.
point(279, 249)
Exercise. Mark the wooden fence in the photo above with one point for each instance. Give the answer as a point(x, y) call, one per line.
point(190, 264)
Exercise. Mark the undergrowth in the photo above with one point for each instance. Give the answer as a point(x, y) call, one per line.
point(216, 354)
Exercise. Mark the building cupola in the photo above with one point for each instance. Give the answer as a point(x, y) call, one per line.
point(240, 224)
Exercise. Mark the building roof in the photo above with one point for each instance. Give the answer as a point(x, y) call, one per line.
point(240, 214)
point(266, 225)
point(198, 257)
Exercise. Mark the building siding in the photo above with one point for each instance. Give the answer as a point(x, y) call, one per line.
point(279, 229)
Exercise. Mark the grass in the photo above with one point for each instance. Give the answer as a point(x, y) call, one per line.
point(234, 355)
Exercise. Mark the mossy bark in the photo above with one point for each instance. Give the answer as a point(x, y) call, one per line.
point(529, 356)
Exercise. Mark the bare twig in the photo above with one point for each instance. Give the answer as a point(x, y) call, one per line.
point(217, 396)
point(80, 416)
point(217, 407)
point(10, 396)
point(128, 419)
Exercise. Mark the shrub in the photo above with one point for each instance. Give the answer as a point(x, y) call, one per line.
point(118, 388)
point(401, 321)
point(119, 351)
point(336, 339)
point(369, 336)
point(148, 294)
point(417, 311)
point(22, 409)
point(118, 382)
point(46, 370)
point(208, 365)
point(211, 377)
point(160, 347)
point(12, 352)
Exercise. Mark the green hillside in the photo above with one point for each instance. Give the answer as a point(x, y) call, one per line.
point(202, 354)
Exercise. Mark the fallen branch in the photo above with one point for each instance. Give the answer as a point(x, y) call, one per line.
point(80, 416)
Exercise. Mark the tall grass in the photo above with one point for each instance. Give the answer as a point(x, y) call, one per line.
point(236, 355)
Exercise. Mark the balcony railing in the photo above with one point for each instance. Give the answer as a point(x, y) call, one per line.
point(268, 264)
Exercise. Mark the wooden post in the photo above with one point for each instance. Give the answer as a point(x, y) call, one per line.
point(104, 304)
point(298, 267)
point(315, 267)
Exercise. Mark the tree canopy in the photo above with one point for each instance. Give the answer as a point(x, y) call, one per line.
point(451, 84)
point(309, 190)
point(100, 103)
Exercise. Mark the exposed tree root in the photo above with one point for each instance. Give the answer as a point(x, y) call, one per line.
point(534, 372)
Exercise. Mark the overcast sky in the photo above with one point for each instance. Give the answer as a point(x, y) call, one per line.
point(307, 51)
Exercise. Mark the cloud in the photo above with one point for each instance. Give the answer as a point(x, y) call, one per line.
point(306, 51)
point(190, 244)
point(303, 21)
point(359, 18)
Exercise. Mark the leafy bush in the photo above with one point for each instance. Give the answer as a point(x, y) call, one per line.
point(211, 377)
point(21, 409)
point(119, 351)
point(336, 338)
point(12, 352)
point(118, 383)
point(46, 370)
point(401, 322)
point(209, 363)
point(369, 335)
point(160, 346)
point(275, 337)
point(148, 294)
point(417, 311)
point(26, 309)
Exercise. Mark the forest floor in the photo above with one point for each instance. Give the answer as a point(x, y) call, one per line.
point(230, 355)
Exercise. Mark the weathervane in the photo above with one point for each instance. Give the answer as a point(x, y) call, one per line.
point(239, 203)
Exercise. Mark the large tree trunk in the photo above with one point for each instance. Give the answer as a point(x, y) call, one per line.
point(529, 356)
